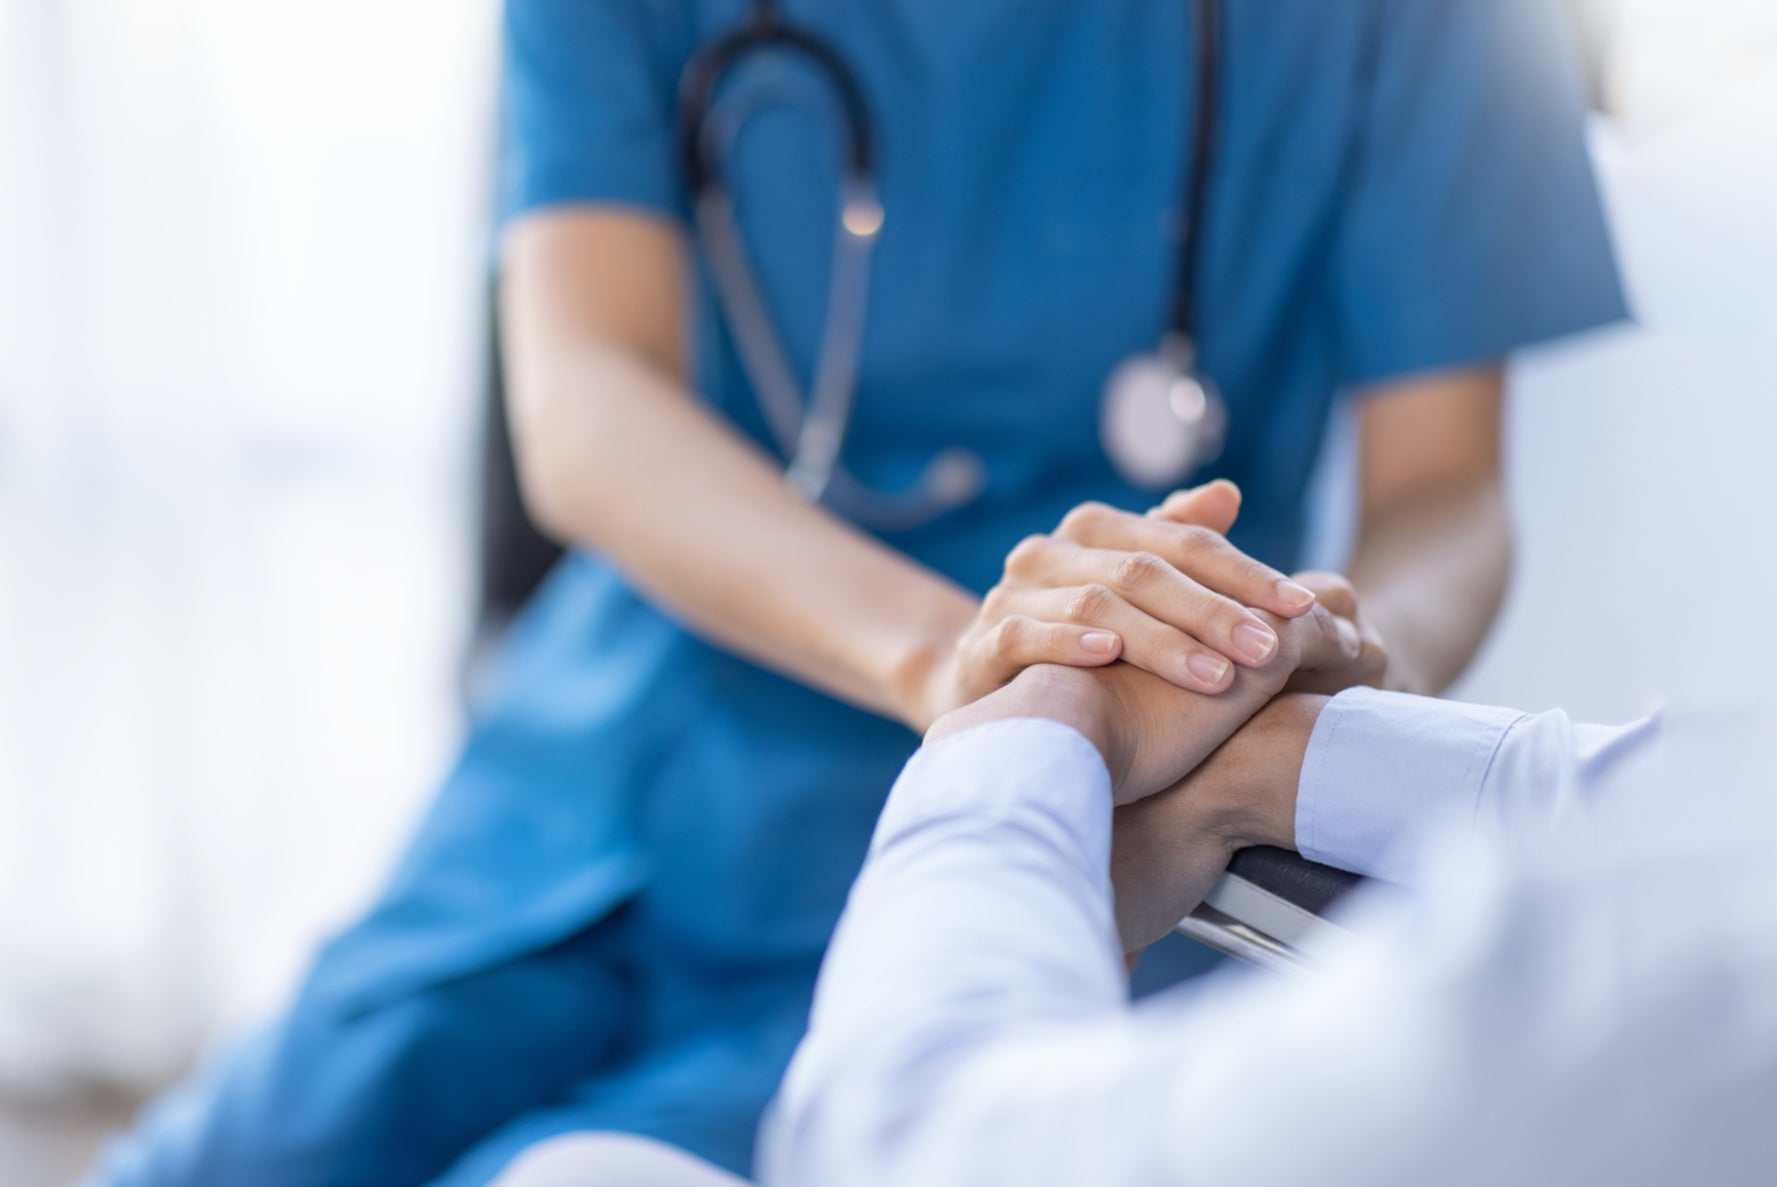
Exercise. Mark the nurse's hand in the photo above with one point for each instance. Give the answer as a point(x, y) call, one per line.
point(1333, 590)
point(1165, 592)
point(1152, 733)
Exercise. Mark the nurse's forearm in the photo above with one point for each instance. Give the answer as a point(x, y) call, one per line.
point(1434, 550)
point(704, 524)
point(615, 455)
point(1430, 576)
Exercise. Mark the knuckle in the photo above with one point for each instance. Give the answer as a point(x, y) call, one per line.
point(1009, 636)
point(1088, 604)
point(1136, 570)
point(1374, 657)
point(1194, 537)
point(1225, 616)
point(1325, 636)
point(1026, 554)
point(1084, 518)
point(1214, 616)
point(1297, 639)
point(1259, 574)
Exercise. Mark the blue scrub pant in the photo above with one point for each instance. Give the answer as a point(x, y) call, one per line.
point(609, 1030)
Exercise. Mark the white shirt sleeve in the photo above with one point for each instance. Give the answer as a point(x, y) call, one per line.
point(1523, 1020)
point(1384, 772)
point(983, 912)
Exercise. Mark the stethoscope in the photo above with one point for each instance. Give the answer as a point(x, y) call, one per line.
point(1160, 417)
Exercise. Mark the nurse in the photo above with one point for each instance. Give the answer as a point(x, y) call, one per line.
point(612, 917)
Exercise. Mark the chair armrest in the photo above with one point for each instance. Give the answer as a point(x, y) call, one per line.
point(1267, 906)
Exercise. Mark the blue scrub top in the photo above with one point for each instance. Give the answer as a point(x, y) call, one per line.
point(1398, 186)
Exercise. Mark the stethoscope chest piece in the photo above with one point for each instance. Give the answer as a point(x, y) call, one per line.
point(1161, 418)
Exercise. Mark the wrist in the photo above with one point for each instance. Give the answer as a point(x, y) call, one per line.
point(1077, 698)
point(1072, 697)
point(916, 674)
point(910, 679)
point(1256, 774)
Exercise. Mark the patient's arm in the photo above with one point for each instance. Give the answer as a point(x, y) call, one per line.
point(1383, 771)
point(1151, 733)
point(972, 1025)
point(1358, 781)
point(1169, 849)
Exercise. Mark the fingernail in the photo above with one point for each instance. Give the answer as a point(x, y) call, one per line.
point(1207, 667)
point(1293, 596)
point(1255, 642)
point(1099, 642)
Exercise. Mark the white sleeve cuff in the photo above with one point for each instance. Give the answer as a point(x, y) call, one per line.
point(1382, 768)
point(1028, 769)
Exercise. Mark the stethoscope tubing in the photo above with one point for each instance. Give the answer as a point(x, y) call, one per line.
point(1206, 118)
point(811, 433)
point(811, 437)
point(764, 28)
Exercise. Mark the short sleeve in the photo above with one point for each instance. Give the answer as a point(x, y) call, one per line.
point(1474, 225)
point(587, 106)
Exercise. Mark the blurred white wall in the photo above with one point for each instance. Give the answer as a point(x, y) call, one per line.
point(1672, 62)
point(1642, 460)
point(241, 260)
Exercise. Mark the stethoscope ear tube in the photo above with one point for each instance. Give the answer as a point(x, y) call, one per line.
point(811, 433)
point(703, 75)
point(816, 455)
point(762, 356)
point(1204, 118)
point(812, 436)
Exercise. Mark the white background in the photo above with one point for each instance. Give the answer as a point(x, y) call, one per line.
point(242, 254)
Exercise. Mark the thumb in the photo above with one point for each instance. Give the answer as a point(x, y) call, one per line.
point(1214, 505)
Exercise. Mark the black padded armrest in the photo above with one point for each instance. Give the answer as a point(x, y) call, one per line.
point(1292, 877)
point(1267, 905)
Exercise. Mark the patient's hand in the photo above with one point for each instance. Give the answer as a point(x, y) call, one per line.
point(1169, 849)
point(1368, 667)
point(1195, 786)
point(1164, 733)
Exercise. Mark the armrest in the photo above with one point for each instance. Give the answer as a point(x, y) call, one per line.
point(1267, 906)
point(1287, 874)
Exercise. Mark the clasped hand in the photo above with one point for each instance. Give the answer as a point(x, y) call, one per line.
point(1164, 592)
point(1180, 815)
